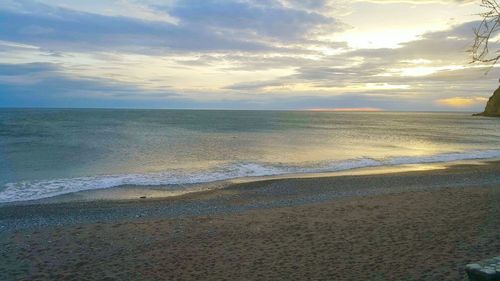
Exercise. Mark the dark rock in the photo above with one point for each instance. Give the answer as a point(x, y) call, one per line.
point(493, 106)
point(486, 270)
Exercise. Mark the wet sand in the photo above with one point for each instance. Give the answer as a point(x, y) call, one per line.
point(423, 225)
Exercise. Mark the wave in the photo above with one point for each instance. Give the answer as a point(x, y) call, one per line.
point(176, 180)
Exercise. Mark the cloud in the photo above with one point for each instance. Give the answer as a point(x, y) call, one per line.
point(200, 26)
point(76, 31)
point(435, 64)
point(25, 69)
point(227, 17)
point(36, 84)
point(214, 53)
point(416, 2)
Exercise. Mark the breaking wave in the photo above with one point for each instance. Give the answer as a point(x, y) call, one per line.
point(178, 179)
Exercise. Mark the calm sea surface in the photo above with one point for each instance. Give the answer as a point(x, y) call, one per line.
point(46, 152)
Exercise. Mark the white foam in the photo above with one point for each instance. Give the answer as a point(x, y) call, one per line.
point(32, 190)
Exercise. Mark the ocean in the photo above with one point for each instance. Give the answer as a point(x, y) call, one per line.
point(50, 152)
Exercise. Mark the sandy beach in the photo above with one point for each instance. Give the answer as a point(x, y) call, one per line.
point(421, 225)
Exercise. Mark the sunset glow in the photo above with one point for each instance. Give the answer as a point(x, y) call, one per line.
point(346, 109)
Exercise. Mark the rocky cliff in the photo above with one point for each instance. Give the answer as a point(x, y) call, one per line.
point(493, 106)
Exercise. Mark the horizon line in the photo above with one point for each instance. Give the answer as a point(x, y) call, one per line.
point(318, 110)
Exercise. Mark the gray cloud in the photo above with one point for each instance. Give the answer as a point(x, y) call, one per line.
point(203, 26)
point(272, 21)
point(36, 84)
point(25, 69)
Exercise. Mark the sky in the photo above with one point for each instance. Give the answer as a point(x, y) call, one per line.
point(242, 54)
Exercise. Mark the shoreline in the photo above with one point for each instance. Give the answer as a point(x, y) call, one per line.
point(250, 195)
point(145, 192)
point(420, 225)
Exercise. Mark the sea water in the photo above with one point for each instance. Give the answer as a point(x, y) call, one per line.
point(49, 152)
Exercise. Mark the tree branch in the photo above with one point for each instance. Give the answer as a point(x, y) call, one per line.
point(485, 32)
